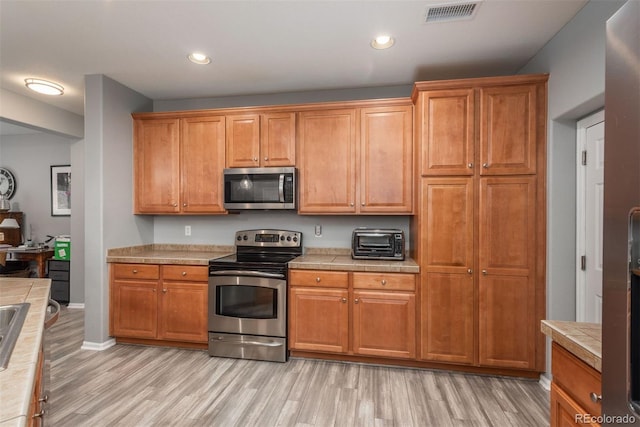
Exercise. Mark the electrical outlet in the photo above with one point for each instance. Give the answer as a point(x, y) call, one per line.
point(318, 230)
point(187, 230)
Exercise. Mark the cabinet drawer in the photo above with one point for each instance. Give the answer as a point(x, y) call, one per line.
point(136, 271)
point(59, 275)
point(325, 279)
point(191, 273)
point(576, 378)
point(388, 281)
point(59, 265)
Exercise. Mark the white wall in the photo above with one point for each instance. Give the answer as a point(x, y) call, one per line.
point(29, 157)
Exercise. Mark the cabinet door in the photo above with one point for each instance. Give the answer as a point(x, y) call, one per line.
point(243, 141)
point(447, 297)
point(278, 139)
point(508, 130)
point(447, 129)
point(507, 253)
point(134, 309)
point(384, 324)
point(183, 311)
point(202, 164)
point(157, 166)
point(386, 160)
point(318, 320)
point(565, 412)
point(327, 159)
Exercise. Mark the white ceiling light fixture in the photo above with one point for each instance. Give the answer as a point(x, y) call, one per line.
point(382, 42)
point(44, 86)
point(199, 58)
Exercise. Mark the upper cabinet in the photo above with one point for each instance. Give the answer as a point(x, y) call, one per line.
point(505, 125)
point(255, 140)
point(356, 160)
point(178, 165)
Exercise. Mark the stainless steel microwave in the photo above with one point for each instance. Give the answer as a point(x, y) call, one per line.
point(377, 243)
point(260, 188)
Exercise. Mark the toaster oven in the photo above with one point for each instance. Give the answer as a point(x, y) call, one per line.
point(377, 243)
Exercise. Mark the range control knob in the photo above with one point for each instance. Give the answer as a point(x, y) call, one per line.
point(239, 238)
point(295, 239)
point(288, 238)
point(245, 237)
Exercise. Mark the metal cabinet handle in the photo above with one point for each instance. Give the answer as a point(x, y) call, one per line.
point(184, 205)
point(356, 301)
point(134, 271)
point(351, 204)
point(255, 159)
point(595, 398)
point(40, 414)
point(175, 205)
point(485, 165)
point(44, 398)
point(164, 291)
point(317, 279)
point(362, 204)
point(344, 300)
point(484, 272)
point(184, 273)
point(266, 159)
point(384, 282)
point(470, 165)
point(470, 271)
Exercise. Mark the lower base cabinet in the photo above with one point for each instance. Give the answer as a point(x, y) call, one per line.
point(368, 314)
point(575, 390)
point(159, 302)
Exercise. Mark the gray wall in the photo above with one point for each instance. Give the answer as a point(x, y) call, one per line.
point(575, 60)
point(108, 181)
point(29, 157)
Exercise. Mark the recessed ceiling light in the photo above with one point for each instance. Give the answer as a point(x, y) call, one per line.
point(199, 58)
point(382, 42)
point(43, 86)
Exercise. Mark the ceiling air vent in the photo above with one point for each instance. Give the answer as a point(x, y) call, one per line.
point(451, 12)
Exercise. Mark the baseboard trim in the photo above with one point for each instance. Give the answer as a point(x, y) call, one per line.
point(76, 305)
point(545, 382)
point(98, 346)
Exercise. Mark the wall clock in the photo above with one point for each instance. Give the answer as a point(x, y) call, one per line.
point(7, 183)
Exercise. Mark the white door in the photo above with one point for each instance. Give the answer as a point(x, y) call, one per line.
point(593, 188)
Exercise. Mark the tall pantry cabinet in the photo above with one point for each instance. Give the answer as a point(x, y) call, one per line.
point(479, 235)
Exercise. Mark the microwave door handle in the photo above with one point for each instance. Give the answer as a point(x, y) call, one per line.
point(281, 188)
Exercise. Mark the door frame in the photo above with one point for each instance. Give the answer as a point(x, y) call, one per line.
point(581, 178)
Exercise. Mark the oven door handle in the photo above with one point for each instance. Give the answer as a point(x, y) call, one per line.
point(247, 273)
point(249, 342)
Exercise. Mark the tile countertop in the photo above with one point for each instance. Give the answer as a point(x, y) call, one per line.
point(313, 258)
point(17, 381)
point(584, 340)
point(340, 259)
point(169, 254)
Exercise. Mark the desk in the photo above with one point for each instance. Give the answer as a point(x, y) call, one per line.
point(40, 256)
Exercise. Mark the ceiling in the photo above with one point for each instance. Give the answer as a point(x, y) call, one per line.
point(261, 47)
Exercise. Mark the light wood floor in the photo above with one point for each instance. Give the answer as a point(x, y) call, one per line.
point(148, 386)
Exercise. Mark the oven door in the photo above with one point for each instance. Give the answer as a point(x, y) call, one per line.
point(247, 302)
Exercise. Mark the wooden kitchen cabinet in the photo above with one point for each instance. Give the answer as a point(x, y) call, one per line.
point(446, 128)
point(381, 306)
point(480, 228)
point(574, 384)
point(257, 140)
point(447, 299)
point(356, 160)
point(384, 315)
point(159, 303)
point(178, 164)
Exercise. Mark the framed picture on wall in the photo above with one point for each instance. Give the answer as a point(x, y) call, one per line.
point(61, 190)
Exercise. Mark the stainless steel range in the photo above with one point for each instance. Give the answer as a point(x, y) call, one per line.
point(248, 296)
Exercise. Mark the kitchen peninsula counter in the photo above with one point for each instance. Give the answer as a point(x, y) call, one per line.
point(18, 380)
point(340, 259)
point(169, 254)
point(584, 340)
